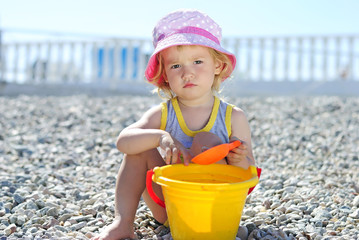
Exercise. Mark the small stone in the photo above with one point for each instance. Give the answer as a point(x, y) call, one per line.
point(40, 203)
point(281, 219)
point(310, 228)
point(356, 201)
point(61, 228)
point(249, 212)
point(88, 211)
point(78, 226)
point(32, 230)
point(90, 235)
point(275, 205)
point(256, 234)
point(159, 229)
point(321, 214)
point(2, 212)
point(242, 232)
point(50, 223)
point(355, 214)
point(10, 229)
point(18, 198)
point(290, 189)
point(293, 210)
point(20, 220)
point(64, 217)
point(250, 227)
point(82, 218)
point(12, 219)
point(31, 205)
point(52, 212)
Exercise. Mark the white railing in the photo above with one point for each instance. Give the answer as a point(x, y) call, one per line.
point(108, 62)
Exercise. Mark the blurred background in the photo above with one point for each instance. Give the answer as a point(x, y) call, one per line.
point(282, 47)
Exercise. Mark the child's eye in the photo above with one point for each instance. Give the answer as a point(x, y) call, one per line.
point(175, 66)
point(198, 62)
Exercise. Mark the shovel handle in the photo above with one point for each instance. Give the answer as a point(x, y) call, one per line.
point(234, 144)
point(152, 194)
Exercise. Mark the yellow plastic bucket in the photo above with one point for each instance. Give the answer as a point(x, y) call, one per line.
point(204, 201)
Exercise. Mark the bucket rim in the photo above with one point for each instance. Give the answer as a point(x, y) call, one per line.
point(168, 182)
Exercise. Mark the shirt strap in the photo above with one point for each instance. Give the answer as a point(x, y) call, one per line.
point(163, 115)
point(228, 119)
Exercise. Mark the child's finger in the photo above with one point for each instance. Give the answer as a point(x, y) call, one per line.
point(168, 156)
point(175, 154)
point(186, 157)
point(239, 151)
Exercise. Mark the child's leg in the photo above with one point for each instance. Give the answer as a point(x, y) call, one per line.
point(130, 184)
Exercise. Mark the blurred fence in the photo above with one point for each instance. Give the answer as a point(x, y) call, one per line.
point(111, 61)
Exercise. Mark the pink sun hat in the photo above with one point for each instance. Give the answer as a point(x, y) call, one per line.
point(185, 27)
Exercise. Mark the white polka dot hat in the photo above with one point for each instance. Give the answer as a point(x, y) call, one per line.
point(185, 27)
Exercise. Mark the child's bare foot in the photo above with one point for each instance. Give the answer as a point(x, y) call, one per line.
point(116, 231)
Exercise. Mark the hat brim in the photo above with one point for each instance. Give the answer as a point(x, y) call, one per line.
point(184, 39)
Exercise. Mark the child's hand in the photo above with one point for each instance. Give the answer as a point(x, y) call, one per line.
point(173, 149)
point(238, 156)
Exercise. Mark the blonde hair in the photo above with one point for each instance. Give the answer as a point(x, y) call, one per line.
point(163, 88)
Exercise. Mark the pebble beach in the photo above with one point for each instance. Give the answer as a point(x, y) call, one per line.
point(58, 166)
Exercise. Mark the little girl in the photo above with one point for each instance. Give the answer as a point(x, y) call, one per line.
point(188, 66)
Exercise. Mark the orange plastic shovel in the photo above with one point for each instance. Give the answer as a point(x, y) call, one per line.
point(216, 153)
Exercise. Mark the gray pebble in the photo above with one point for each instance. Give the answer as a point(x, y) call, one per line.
point(78, 226)
point(356, 201)
point(52, 212)
point(242, 232)
point(18, 198)
point(355, 214)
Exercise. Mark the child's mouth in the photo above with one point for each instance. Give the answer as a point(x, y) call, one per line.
point(189, 85)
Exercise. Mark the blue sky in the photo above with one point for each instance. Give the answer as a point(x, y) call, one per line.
point(136, 18)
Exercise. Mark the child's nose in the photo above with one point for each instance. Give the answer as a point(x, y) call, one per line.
point(187, 73)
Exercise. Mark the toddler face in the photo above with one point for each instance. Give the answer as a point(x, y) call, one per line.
point(190, 70)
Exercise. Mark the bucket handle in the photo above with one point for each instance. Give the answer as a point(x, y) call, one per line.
point(259, 171)
point(152, 194)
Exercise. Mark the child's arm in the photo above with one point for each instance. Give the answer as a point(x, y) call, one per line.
point(145, 134)
point(241, 156)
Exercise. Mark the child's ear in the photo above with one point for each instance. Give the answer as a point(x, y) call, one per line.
point(219, 67)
